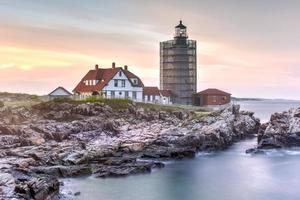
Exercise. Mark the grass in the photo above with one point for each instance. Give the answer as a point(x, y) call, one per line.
point(199, 111)
point(116, 104)
point(18, 99)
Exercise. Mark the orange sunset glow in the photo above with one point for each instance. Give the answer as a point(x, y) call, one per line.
point(249, 48)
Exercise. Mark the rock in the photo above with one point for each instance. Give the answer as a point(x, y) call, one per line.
point(77, 193)
point(283, 130)
point(39, 188)
point(125, 169)
point(68, 139)
point(111, 126)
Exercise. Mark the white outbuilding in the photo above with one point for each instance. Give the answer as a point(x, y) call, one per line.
point(59, 92)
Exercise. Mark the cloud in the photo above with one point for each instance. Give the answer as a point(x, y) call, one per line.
point(246, 47)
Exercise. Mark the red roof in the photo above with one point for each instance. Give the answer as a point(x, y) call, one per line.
point(165, 93)
point(151, 91)
point(103, 76)
point(212, 91)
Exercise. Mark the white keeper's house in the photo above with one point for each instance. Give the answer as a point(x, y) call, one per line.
point(114, 82)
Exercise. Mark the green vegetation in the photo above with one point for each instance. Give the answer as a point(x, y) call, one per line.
point(1, 104)
point(18, 99)
point(170, 108)
point(117, 104)
point(158, 107)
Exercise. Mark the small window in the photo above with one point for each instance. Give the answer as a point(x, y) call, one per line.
point(126, 94)
point(134, 81)
point(116, 83)
point(148, 97)
point(120, 93)
point(133, 95)
point(113, 94)
point(120, 73)
point(123, 83)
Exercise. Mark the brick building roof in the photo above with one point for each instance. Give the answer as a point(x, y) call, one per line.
point(212, 91)
point(166, 93)
point(151, 91)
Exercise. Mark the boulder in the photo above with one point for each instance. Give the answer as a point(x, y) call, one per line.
point(283, 130)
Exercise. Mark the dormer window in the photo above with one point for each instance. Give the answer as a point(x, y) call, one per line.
point(134, 81)
point(120, 73)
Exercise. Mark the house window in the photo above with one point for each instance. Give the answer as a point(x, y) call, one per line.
point(120, 73)
point(116, 83)
point(134, 81)
point(126, 94)
point(112, 94)
point(133, 95)
point(120, 93)
point(123, 83)
point(148, 97)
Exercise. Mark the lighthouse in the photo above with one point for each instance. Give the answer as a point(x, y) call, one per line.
point(178, 66)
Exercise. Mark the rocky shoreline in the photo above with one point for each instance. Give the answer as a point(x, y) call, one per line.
point(42, 143)
point(282, 131)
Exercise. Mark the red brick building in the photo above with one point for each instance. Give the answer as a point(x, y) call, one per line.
point(211, 97)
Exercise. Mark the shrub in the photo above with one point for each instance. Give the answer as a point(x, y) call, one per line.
point(117, 104)
point(1, 104)
point(62, 100)
point(34, 97)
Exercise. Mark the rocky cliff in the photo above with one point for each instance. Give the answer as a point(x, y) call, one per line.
point(283, 130)
point(41, 143)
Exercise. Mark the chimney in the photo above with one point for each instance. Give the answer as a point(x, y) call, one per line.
point(113, 65)
point(125, 67)
point(96, 67)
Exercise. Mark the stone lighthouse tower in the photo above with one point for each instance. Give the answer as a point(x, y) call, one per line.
point(178, 66)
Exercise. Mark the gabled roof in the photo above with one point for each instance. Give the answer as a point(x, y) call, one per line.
point(151, 91)
point(212, 91)
point(103, 75)
point(166, 93)
point(132, 75)
point(60, 88)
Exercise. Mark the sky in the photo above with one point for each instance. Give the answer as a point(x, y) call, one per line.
point(249, 48)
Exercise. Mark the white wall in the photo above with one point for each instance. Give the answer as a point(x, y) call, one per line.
point(128, 87)
point(59, 92)
point(157, 99)
point(166, 100)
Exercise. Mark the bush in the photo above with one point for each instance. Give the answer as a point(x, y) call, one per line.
point(62, 100)
point(1, 104)
point(34, 97)
point(117, 104)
